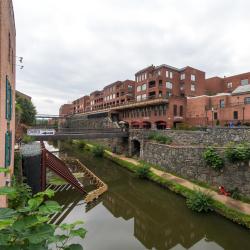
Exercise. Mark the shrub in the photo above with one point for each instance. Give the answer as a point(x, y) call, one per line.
point(199, 201)
point(160, 138)
point(235, 193)
point(143, 171)
point(240, 152)
point(98, 150)
point(27, 139)
point(81, 144)
point(213, 159)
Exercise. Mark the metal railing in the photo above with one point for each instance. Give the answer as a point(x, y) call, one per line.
point(59, 167)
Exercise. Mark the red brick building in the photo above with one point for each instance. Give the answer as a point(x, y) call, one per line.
point(7, 90)
point(66, 109)
point(81, 105)
point(160, 96)
point(164, 96)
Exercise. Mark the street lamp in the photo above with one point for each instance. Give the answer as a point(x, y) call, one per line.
point(212, 116)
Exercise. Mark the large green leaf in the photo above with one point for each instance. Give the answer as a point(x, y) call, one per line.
point(34, 203)
point(6, 223)
point(74, 247)
point(48, 192)
point(25, 223)
point(50, 207)
point(41, 234)
point(4, 238)
point(6, 213)
point(81, 232)
point(71, 226)
point(4, 170)
point(9, 191)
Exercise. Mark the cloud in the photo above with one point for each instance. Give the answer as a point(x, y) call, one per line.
point(71, 49)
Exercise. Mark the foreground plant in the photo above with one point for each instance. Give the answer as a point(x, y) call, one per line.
point(26, 226)
point(199, 201)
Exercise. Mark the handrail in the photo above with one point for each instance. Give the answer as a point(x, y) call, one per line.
point(59, 167)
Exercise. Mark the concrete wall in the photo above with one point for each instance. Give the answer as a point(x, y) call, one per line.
point(188, 162)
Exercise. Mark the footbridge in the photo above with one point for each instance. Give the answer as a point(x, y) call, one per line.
point(45, 134)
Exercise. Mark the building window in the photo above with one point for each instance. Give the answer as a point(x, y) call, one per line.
point(244, 82)
point(222, 103)
point(159, 72)
point(144, 97)
point(145, 76)
point(192, 87)
point(113, 96)
point(169, 85)
point(235, 115)
point(181, 110)
point(193, 78)
point(138, 89)
point(171, 75)
point(215, 116)
point(229, 85)
point(130, 87)
point(183, 76)
point(138, 98)
point(168, 94)
point(144, 87)
point(175, 110)
point(167, 74)
point(247, 100)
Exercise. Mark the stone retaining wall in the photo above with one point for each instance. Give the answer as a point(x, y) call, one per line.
point(216, 136)
point(188, 162)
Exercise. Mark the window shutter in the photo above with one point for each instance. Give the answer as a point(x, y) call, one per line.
point(8, 148)
point(10, 101)
point(7, 100)
point(9, 104)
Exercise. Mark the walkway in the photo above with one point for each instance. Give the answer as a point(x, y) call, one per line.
point(228, 201)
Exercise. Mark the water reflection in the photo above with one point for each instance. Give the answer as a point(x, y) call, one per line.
point(156, 218)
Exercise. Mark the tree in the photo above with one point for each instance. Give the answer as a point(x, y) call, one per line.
point(28, 111)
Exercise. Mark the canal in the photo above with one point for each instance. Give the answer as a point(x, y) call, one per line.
point(137, 214)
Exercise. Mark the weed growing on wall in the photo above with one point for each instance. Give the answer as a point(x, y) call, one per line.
point(213, 159)
point(238, 152)
point(160, 138)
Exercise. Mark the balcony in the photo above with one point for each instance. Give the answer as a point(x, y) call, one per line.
point(151, 100)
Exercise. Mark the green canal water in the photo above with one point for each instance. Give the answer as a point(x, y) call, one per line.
point(137, 214)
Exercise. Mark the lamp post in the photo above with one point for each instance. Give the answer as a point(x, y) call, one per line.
point(212, 116)
point(243, 113)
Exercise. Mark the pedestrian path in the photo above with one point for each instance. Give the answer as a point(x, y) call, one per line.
point(228, 201)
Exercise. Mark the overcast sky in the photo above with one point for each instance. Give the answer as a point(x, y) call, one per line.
point(72, 47)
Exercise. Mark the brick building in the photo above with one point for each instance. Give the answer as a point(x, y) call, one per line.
point(160, 96)
point(7, 90)
point(164, 96)
point(66, 109)
point(81, 105)
point(220, 109)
